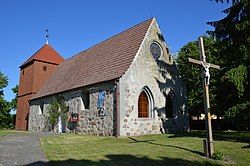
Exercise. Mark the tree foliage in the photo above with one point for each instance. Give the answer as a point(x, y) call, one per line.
point(3, 83)
point(233, 43)
point(5, 117)
point(192, 75)
point(57, 108)
point(13, 102)
point(229, 88)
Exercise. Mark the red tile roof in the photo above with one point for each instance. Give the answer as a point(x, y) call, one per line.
point(45, 54)
point(105, 61)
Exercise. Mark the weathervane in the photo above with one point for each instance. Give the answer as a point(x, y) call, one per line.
point(47, 36)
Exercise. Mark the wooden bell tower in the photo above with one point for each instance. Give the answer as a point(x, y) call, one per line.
point(33, 74)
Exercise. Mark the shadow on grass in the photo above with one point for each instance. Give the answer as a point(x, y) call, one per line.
point(246, 147)
point(123, 159)
point(172, 146)
point(234, 136)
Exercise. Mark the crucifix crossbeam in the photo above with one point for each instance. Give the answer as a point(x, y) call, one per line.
point(199, 62)
point(206, 78)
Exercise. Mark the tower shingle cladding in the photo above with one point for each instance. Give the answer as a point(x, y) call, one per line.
point(33, 74)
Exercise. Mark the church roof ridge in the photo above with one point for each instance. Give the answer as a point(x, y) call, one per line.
point(150, 19)
point(105, 61)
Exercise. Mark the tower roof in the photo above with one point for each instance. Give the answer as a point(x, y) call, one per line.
point(105, 61)
point(45, 54)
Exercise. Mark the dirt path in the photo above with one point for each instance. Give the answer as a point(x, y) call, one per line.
point(22, 149)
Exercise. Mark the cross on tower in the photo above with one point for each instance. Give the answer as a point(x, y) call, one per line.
point(206, 78)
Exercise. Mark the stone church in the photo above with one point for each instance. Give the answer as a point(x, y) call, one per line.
point(126, 85)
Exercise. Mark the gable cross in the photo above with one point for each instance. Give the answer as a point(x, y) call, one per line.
point(206, 78)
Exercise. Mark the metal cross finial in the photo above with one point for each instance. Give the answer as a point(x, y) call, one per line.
point(47, 36)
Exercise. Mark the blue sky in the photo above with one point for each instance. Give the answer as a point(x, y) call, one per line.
point(75, 25)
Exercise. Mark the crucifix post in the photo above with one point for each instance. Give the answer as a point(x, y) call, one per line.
point(206, 103)
point(206, 78)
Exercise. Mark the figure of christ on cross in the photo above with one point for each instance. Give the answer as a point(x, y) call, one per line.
point(206, 76)
point(206, 72)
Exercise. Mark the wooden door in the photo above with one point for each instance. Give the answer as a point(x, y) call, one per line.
point(143, 105)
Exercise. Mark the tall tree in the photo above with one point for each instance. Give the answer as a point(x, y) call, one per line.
point(233, 43)
point(13, 103)
point(3, 83)
point(5, 117)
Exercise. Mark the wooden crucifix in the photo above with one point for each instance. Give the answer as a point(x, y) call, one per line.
point(206, 76)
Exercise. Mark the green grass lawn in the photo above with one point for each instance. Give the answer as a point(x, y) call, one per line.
point(6, 132)
point(164, 149)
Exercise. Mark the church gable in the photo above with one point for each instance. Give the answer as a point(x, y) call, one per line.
point(151, 77)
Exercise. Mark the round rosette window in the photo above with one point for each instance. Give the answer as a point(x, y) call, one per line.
point(155, 50)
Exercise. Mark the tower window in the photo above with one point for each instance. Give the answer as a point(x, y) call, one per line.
point(44, 68)
point(23, 72)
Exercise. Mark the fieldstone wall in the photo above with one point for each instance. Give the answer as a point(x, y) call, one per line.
point(36, 121)
point(160, 77)
point(37, 117)
point(90, 122)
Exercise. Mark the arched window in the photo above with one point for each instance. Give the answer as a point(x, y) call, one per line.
point(145, 104)
point(85, 100)
point(169, 106)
